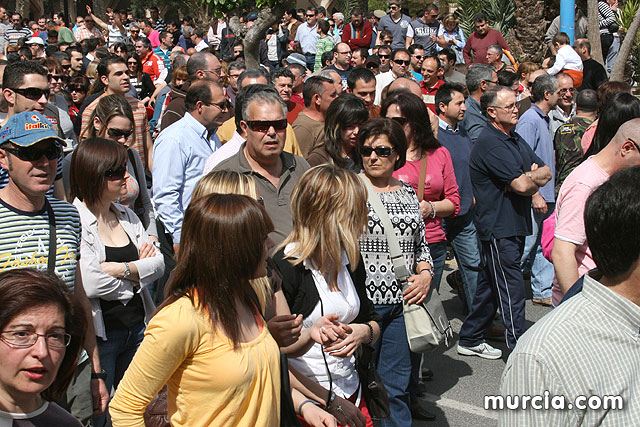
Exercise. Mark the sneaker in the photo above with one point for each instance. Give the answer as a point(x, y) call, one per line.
point(545, 302)
point(483, 350)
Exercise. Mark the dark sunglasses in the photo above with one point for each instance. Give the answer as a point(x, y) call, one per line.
point(115, 174)
point(383, 151)
point(372, 66)
point(418, 57)
point(32, 154)
point(402, 62)
point(77, 89)
point(384, 56)
point(33, 93)
point(54, 77)
point(119, 133)
point(400, 120)
point(66, 67)
point(265, 125)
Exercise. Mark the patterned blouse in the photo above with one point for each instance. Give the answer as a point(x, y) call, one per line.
point(404, 212)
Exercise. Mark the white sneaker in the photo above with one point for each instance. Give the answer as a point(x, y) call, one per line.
point(483, 350)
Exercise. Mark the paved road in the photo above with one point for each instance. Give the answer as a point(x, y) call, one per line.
point(457, 391)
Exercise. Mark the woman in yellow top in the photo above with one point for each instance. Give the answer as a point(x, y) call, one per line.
point(207, 341)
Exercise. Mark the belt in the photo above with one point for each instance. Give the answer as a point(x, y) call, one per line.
point(309, 54)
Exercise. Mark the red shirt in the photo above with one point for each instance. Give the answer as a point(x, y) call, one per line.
point(479, 46)
point(429, 94)
point(357, 37)
point(293, 111)
point(297, 98)
point(153, 66)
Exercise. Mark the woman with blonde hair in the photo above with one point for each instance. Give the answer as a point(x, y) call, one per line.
point(450, 35)
point(323, 273)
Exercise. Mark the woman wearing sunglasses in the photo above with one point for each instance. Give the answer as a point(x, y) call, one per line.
point(42, 331)
point(78, 88)
point(340, 147)
point(383, 146)
point(113, 119)
point(139, 80)
point(118, 260)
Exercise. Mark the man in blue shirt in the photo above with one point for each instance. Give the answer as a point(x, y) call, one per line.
point(461, 231)
point(480, 77)
point(533, 127)
point(505, 173)
point(179, 156)
point(307, 35)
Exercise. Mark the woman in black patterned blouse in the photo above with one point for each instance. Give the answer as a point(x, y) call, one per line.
point(383, 148)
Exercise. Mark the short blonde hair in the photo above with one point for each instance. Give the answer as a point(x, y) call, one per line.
point(449, 18)
point(229, 182)
point(329, 210)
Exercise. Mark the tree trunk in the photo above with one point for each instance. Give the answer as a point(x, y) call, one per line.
point(22, 7)
point(617, 72)
point(530, 30)
point(593, 30)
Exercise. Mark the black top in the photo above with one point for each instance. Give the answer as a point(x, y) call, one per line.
point(115, 314)
point(496, 160)
point(594, 74)
point(302, 295)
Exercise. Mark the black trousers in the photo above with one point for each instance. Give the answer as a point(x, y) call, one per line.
point(166, 247)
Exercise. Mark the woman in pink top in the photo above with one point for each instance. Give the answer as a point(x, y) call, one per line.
point(440, 198)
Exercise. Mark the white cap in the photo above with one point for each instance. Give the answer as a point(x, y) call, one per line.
point(35, 40)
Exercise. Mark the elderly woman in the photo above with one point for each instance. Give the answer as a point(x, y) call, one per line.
point(383, 147)
point(42, 331)
point(118, 260)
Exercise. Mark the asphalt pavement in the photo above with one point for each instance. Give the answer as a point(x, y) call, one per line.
point(456, 392)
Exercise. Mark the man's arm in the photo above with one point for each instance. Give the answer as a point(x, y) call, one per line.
point(529, 182)
point(565, 263)
point(502, 42)
point(99, 22)
point(466, 52)
point(168, 182)
point(98, 387)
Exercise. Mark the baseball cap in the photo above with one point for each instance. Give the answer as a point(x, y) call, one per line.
point(379, 13)
point(297, 58)
point(35, 40)
point(373, 59)
point(28, 128)
point(252, 16)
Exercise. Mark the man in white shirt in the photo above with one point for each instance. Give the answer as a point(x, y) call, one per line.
point(400, 62)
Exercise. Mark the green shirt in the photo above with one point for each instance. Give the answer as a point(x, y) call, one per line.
point(324, 44)
point(568, 147)
point(65, 35)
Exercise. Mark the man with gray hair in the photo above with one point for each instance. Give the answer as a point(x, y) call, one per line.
point(264, 125)
point(533, 127)
point(505, 173)
point(201, 66)
point(480, 77)
point(318, 93)
point(233, 72)
point(494, 58)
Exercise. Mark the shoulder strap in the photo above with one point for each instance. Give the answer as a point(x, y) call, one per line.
point(397, 258)
point(423, 175)
point(51, 261)
point(137, 205)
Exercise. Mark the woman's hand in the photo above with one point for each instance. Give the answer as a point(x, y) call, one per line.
point(285, 328)
point(115, 269)
point(425, 209)
point(349, 345)
point(147, 250)
point(327, 330)
point(418, 288)
point(347, 413)
point(318, 417)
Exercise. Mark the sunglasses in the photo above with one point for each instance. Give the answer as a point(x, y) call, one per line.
point(382, 151)
point(384, 56)
point(224, 105)
point(32, 154)
point(371, 66)
point(77, 89)
point(418, 57)
point(33, 93)
point(400, 120)
point(265, 125)
point(402, 62)
point(66, 67)
point(54, 77)
point(115, 174)
point(119, 133)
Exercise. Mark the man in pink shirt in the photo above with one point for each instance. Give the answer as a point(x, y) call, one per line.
point(153, 35)
point(571, 255)
point(480, 40)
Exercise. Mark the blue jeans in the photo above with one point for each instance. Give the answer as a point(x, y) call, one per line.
point(439, 255)
point(116, 354)
point(612, 55)
point(394, 363)
point(461, 233)
point(541, 268)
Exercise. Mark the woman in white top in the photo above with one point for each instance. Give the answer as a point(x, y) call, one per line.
point(323, 274)
point(118, 260)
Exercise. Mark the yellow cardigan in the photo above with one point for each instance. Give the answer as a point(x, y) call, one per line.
point(209, 384)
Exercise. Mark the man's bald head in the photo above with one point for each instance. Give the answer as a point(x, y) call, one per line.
point(629, 130)
point(406, 83)
point(535, 74)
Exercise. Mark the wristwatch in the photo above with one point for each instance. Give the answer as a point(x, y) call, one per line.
point(102, 375)
point(127, 271)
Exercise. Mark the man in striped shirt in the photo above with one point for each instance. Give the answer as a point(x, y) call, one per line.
point(583, 356)
point(12, 35)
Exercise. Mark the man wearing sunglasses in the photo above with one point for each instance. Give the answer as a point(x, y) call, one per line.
point(12, 35)
point(400, 62)
point(262, 155)
point(417, 57)
point(399, 24)
point(29, 151)
point(180, 153)
point(425, 29)
point(307, 35)
point(25, 87)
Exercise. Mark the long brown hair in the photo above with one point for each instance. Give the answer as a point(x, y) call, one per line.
point(221, 247)
point(25, 288)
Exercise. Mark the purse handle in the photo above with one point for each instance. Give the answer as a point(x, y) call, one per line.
point(422, 177)
point(397, 258)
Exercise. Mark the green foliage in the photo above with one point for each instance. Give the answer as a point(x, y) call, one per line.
point(346, 6)
point(378, 4)
point(627, 13)
point(624, 18)
point(500, 13)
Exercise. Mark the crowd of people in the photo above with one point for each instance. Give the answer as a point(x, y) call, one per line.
point(194, 242)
